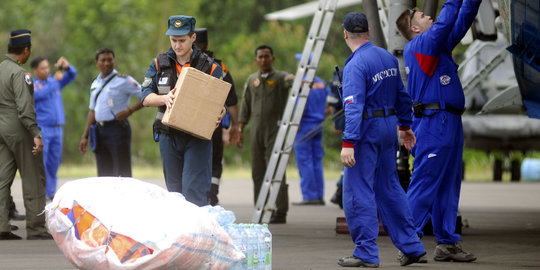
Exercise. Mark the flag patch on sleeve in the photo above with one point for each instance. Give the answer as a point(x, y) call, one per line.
point(348, 100)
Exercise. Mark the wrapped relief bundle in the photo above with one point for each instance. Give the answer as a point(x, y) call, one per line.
point(124, 223)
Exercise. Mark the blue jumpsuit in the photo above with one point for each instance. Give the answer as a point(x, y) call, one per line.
point(432, 78)
point(371, 84)
point(50, 118)
point(308, 143)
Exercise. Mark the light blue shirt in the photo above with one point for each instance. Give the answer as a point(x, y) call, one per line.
point(114, 97)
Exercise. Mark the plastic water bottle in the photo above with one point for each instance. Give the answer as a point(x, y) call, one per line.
point(244, 244)
point(235, 232)
point(260, 246)
point(267, 247)
point(222, 216)
point(252, 247)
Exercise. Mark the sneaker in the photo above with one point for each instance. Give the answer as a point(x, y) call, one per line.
point(406, 260)
point(452, 252)
point(353, 261)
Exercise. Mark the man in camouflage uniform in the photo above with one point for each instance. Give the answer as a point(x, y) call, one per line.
point(264, 99)
point(20, 140)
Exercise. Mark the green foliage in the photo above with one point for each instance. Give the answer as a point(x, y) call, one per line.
point(135, 30)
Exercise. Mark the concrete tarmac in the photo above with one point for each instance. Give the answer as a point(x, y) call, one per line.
point(503, 230)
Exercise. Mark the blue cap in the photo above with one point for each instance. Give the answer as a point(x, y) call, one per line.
point(355, 22)
point(180, 25)
point(299, 56)
point(20, 38)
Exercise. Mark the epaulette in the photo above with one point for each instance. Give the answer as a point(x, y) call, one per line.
point(122, 75)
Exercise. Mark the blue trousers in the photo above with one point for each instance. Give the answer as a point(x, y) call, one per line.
point(372, 186)
point(309, 153)
point(436, 178)
point(52, 137)
point(113, 155)
point(187, 166)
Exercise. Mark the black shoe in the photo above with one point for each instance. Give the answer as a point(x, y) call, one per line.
point(310, 202)
point(9, 236)
point(337, 198)
point(14, 227)
point(15, 215)
point(41, 236)
point(278, 220)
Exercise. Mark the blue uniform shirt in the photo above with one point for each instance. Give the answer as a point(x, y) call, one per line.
point(372, 81)
point(431, 71)
point(114, 97)
point(314, 111)
point(48, 98)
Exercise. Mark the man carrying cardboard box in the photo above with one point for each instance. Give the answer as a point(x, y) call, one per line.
point(187, 160)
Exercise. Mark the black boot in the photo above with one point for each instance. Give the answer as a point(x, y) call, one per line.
point(13, 213)
point(337, 198)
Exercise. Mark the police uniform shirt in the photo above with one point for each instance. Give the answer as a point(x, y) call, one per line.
point(114, 97)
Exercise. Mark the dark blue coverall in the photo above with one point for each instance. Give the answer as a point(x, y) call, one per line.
point(308, 143)
point(433, 79)
point(375, 103)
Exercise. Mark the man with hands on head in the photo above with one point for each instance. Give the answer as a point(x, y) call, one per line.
point(50, 112)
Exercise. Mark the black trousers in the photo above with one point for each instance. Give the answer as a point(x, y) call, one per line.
point(217, 152)
point(113, 154)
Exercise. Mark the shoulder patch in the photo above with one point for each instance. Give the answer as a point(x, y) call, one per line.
point(28, 78)
point(147, 81)
point(256, 82)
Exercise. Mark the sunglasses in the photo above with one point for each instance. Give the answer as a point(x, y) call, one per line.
point(411, 15)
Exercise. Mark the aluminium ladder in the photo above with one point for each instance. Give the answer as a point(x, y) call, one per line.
point(275, 171)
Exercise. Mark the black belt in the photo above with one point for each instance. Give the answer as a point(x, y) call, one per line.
point(436, 106)
point(379, 113)
point(112, 122)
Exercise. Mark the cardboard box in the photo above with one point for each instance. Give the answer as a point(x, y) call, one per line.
point(198, 101)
